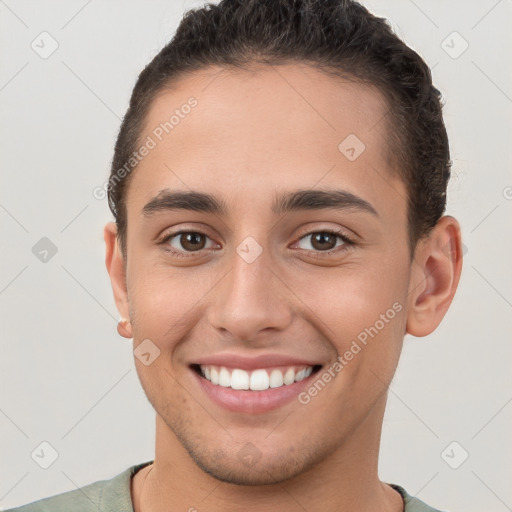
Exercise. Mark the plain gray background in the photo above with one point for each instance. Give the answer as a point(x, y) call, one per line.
point(66, 376)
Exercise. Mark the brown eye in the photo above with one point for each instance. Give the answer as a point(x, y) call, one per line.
point(183, 242)
point(192, 241)
point(324, 240)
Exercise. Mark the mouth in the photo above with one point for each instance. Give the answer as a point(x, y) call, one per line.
point(259, 379)
point(256, 391)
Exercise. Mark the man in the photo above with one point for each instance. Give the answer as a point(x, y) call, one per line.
point(278, 186)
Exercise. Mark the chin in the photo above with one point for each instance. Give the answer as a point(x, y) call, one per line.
point(237, 473)
point(244, 464)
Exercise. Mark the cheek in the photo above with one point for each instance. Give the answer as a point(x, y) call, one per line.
point(363, 314)
point(165, 302)
point(366, 325)
point(355, 300)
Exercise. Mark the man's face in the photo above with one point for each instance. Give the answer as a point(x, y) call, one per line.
point(256, 282)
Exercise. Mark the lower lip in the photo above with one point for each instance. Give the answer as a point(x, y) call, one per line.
point(252, 402)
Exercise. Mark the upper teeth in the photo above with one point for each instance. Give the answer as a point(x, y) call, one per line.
point(257, 380)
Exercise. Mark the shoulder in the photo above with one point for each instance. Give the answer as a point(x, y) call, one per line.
point(84, 499)
point(413, 504)
point(105, 495)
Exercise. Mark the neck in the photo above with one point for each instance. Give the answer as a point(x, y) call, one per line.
point(346, 480)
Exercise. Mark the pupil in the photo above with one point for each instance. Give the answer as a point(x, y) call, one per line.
point(323, 238)
point(193, 240)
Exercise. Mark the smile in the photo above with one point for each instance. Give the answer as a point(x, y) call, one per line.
point(257, 380)
point(253, 391)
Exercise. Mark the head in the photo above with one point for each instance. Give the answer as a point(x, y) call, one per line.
point(250, 102)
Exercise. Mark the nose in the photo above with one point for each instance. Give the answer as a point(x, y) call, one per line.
point(251, 298)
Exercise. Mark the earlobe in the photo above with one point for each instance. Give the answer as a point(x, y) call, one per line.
point(124, 328)
point(434, 277)
point(116, 269)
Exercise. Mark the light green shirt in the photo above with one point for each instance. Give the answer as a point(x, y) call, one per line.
point(114, 496)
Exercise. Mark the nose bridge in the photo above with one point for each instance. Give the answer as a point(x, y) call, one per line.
point(250, 298)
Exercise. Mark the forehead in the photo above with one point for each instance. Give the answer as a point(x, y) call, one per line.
point(265, 126)
point(264, 100)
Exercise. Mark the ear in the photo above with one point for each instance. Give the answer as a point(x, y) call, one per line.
point(117, 271)
point(435, 274)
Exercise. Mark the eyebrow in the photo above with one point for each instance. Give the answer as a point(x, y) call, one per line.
point(299, 200)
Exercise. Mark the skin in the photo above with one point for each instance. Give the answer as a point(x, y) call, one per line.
point(255, 133)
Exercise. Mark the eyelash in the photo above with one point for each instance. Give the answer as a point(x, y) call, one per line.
point(347, 243)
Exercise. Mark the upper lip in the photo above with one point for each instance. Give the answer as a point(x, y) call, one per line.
point(231, 360)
